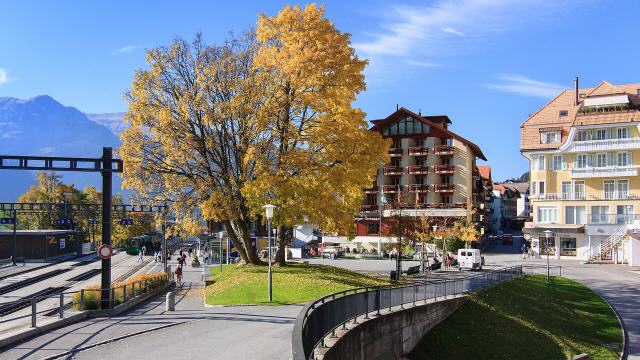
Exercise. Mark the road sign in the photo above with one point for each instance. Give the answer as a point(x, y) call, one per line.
point(93, 222)
point(62, 221)
point(7, 221)
point(125, 222)
point(62, 243)
point(105, 252)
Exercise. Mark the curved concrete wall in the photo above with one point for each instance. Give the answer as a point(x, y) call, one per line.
point(392, 335)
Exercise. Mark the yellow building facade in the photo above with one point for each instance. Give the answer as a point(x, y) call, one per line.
point(584, 154)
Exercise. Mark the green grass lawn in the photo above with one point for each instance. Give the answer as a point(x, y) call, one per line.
point(526, 318)
point(292, 284)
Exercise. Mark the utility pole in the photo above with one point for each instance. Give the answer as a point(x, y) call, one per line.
point(107, 159)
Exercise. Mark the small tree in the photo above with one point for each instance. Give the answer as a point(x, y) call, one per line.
point(401, 225)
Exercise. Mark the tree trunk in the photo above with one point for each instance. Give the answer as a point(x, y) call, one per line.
point(231, 232)
point(282, 241)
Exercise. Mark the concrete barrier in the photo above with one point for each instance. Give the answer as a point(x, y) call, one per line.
point(392, 335)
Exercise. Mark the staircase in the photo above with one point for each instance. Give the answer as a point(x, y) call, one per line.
point(609, 244)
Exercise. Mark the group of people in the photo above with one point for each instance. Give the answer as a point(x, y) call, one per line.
point(527, 251)
point(182, 259)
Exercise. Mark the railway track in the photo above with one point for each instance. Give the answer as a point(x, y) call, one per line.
point(25, 302)
point(26, 282)
point(34, 268)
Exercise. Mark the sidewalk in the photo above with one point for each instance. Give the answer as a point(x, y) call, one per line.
point(191, 331)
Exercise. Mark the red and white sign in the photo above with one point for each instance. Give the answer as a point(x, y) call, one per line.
point(105, 252)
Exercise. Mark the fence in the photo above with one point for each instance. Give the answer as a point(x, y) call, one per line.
point(55, 301)
point(326, 314)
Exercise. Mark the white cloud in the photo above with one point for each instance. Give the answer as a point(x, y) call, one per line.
point(4, 77)
point(453, 31)
point(123, 50)
point(422, 63)
point(407, 30)
point(522, 85)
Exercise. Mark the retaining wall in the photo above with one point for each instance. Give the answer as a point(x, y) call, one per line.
point(391, 336)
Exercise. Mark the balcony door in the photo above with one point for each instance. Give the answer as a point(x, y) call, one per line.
point(600, 214)
point(624, 214)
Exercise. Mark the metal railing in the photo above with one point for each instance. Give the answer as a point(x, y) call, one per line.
point(56, 302)
point(322, 317)
point(613, 219)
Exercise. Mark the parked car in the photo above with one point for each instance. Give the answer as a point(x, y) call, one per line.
point(469, 259)
point(331, 251)
point(507, 239)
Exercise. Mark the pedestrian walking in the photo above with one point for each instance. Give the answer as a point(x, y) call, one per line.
point(524, 251)
point(190, 251)
point(144, 250)
point(179, 276)
point(139, 256)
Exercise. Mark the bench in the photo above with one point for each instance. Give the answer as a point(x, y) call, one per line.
point(412, 270)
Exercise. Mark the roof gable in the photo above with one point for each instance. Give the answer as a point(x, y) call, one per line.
point(605, 88)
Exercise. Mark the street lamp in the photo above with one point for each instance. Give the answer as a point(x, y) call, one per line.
point(220, 237)
point(268, 209)
point(547, 235)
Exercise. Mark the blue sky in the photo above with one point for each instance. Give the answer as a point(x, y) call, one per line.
point(485, 63)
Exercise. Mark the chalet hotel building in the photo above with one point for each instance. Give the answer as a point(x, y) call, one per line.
point(432, 169)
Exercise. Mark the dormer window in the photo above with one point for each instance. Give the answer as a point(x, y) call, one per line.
point(564, 113)
point(549, 137)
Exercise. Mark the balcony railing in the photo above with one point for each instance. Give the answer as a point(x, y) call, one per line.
point(608, 144)
point(613, 219)
point(609, 171)
point(614, 195)
point(444, 187)
point(395, 152)
point(418, 170)
point(369, 207)
point(441, 206)
point(419, 188)
point(443, 169)
point(391, 188)
point(418, 151)
point(444, 150)
point(373, 190)
point(392, 170)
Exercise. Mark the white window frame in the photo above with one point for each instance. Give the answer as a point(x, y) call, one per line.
point(547, 215)
point(623, 133)
point(575, 220)
point(600, 218)
point(598, 132)
point(627, 158)
point(577, 163)
point(582, 135)
point(598, 157)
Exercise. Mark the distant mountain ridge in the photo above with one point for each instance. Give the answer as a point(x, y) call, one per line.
point(113, 121)
point(43, 126)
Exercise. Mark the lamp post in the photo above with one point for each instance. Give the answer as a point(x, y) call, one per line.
point(547, 235)
point(268, 209)
point(220, 237)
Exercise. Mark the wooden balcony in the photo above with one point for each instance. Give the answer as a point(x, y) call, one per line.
point(444, 150)
point(444, 188)
point(369, 207)
point(395, 152)
point(373, 190)
point(418, 151)
point(391, 188)
point(392, 170)
point(418, 170)
point(444, 169)
point(418, 188)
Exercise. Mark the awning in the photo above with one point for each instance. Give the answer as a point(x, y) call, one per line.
point(539, 229)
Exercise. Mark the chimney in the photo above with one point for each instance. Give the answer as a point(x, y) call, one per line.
point(397, 107)
point(577, 99)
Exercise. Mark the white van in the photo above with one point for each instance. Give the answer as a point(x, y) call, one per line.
point(469, 259)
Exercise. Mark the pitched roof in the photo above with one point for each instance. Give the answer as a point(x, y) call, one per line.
point(485, 171)
point(521, 187)
point(378, 125)
point(549, 115)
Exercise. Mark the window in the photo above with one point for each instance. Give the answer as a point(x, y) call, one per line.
point(581, 135)
point(396, 144)
point(609, 189)
point(600, 214)
point(549, 137)
point(406, 126)
point(539, 162)
point(395, 180)
point(566, 190)
point(580, 161)
point(564, 113)
point(547, 215)
point(623, 189)
point(624, 159)
point(624, 214)
point(601, 160)
point(623, 133)
point(567, 246)
point(601, 134)
point(541, 187)
point(534, 188)
point(578, 190)
point(558, 162)
point(574, 215)
point(373, 229)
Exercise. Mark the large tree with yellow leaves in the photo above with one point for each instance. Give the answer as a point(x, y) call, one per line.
point(263, 118)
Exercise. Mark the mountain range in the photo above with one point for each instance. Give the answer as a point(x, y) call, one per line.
point(43, 126)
